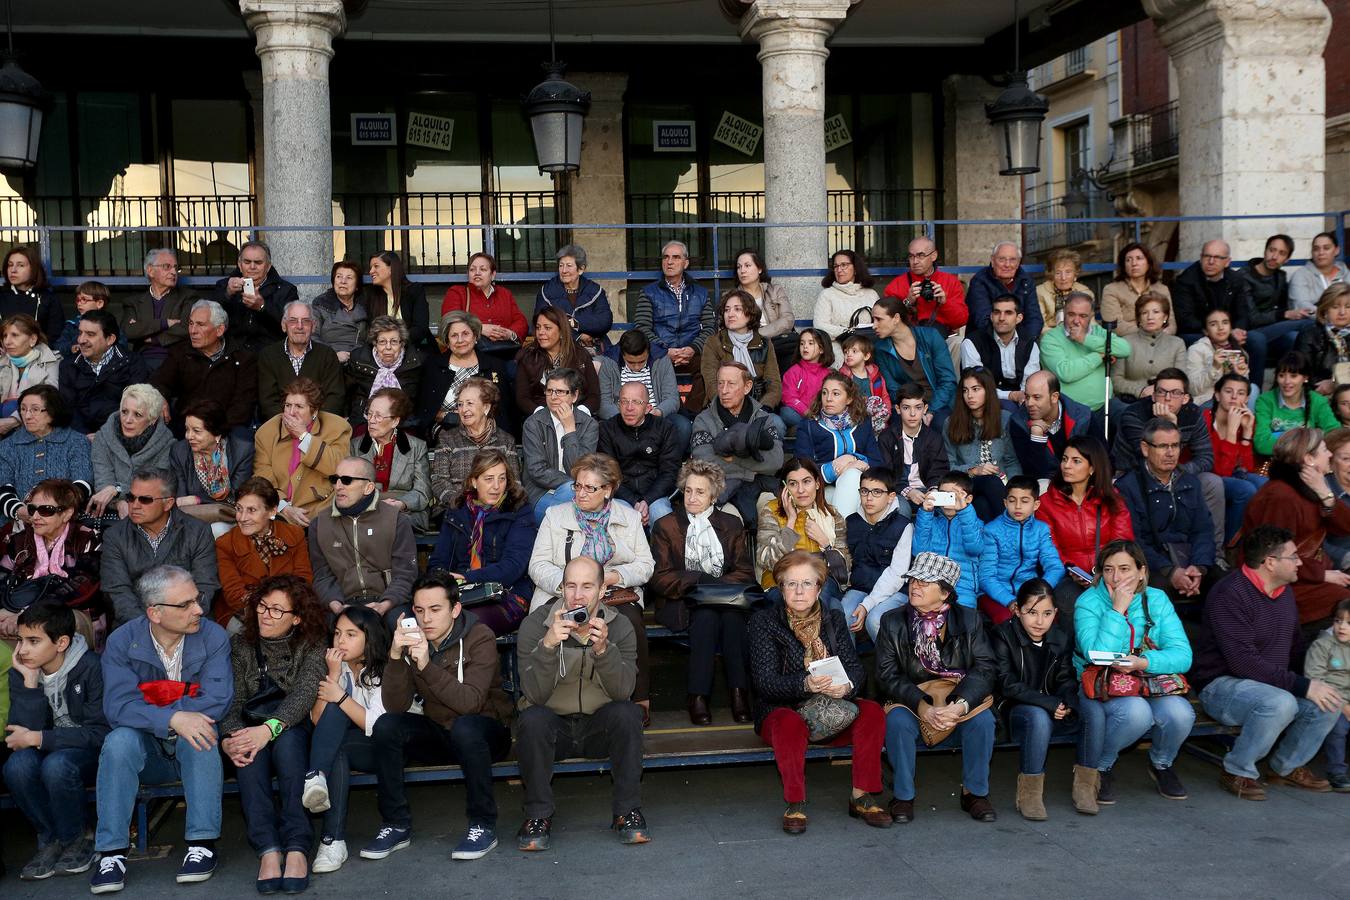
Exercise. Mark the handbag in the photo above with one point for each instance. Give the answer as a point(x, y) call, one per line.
point(826, 717)
point(17, 593)
point(940, 689)
point(868, 331)
point(265, 700)
point(720, 595)
point(484, 592)
point(1105, 682)
point(618, 596)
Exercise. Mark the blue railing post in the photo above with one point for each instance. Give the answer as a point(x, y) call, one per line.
point(717, 279)
point(1138, 232)
point(1340, 233)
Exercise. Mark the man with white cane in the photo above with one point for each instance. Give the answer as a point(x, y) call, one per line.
point(1080, 354)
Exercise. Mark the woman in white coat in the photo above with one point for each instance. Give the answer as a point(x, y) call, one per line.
point(846, 289)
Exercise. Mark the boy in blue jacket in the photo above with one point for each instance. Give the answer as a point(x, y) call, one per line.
point(56, 727)
point(1017, 547)
point(873, 532)
point(167, 681)
point(954, 531)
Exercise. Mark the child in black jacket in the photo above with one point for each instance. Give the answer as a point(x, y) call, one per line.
point(56, 729)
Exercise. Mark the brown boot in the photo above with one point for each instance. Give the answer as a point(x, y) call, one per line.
point(1030, 797)
point(1086, 780)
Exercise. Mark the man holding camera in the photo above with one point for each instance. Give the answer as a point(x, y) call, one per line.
point(578, 667)
point(938, 298)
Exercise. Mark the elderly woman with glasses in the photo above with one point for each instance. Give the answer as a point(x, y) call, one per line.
point(45, 448)
point(278, 662)
point(49, 555)
point(387, 361)
point(399, 458)
point(611, 533)
point(134, 439)
point(477, 432)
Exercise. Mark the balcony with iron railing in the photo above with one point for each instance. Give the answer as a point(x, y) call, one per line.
point(1146, 144)
point(1063, 71)
point(1065, 202)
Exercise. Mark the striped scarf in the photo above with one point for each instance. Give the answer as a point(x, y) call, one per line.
point(480, 512)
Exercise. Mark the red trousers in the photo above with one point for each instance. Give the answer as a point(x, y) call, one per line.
point(786, 733)
point(997, 612)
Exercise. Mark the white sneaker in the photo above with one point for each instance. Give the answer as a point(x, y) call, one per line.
point(332, 854)
point(315, 795)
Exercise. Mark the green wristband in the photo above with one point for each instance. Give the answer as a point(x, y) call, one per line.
point(276, 727)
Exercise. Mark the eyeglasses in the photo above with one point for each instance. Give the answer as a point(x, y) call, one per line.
point(346, 479)
point(142, 499)
point(842, 265)
point(376, 417)
point(32, 410)
point(272, 612)
point(195, 601)
point(793, 587)
point(46, 510)
point(1163, 446)
point(1169, 395)
point(168, 267)
point(1212, 257)
point(388, 343)
point(1273, 556)
point(582, 487)
point(557, 392)
point(873, 492)
point(922, 255)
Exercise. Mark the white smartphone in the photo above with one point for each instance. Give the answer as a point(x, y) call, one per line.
point(408, 624)
point(942, 498)
point(248, 286)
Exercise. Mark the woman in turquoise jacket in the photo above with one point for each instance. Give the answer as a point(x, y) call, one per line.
point(893, 320)
point(1112, 616)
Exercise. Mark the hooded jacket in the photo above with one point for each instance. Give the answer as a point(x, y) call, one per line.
point(963, 646)
point(1015, 552)
point(569, 678)
point(960, 538)
point(81, 686)
point(463, 677)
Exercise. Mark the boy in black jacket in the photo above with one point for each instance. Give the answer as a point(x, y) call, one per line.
point(56, 728)
point(873, 532)
point(911, 448)
point(1039, 688)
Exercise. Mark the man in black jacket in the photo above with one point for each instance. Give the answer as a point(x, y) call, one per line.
point(912, 449)
point(298, 355)
point(209, 366)
point(1208, 285)
point(1042, 424)
point(255, 317)
point(92, 382)
point(1269, 285)
point(930, 639)
point(648, 451)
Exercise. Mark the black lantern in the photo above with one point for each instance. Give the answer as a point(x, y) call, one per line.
point(22, 102)
point(1017, 115)
point(556, 109)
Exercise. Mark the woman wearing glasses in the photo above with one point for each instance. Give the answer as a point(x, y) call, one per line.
point(134, 439)
point(298, 449)
point(446, 374)
point(593, 525)
point(845, 289)
point(50, 553)
point(260, 546)
point(478, 431)
point(278, 662)
point(45, 448)
point(400, 459)
point(387, 362)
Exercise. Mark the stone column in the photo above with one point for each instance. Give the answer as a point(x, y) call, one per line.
point(1252, 115)
point(791, 36)
point(971, 185)
point(599, 190)
point(295, 43)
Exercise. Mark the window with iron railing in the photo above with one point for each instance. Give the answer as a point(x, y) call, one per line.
point(1154, 134)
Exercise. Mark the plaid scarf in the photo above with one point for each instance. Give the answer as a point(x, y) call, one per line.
point(927, 628)
point(268, 546)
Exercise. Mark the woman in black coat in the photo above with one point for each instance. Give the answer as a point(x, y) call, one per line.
point(444, 375)
point(392, 294)
point(210, 464)
point(387, 360)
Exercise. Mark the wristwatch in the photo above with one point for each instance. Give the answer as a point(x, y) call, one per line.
point(276, 727)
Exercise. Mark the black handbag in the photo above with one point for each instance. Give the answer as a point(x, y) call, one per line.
point(720, 595)
point(265, 700)
point(868, 331)
point(17, 594)
point(471, 595)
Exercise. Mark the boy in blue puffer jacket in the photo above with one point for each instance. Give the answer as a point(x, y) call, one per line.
point(955, 532)
point(1017, 547)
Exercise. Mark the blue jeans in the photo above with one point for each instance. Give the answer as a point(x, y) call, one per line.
point(1236, 493)
point(684, 428)
point(1281, 336)
point(1032, 728)
point(473, 742)
point(790, 419)
point(48, 787)
point(277, 821)
point(658, 509)
point(1112, 725)
point(130, 758)
point(1333, 748)
point(1266, 712)
point(559, 495)
point(974, 736)
point(853, 598)
point(336, 748)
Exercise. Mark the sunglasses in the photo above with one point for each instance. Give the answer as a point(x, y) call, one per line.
point(46, 510)
point(346, 479)
point(142, 499)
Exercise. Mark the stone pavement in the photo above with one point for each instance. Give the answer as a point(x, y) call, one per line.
point(716, 834)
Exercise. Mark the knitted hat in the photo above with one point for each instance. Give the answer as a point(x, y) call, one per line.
point(935, 569)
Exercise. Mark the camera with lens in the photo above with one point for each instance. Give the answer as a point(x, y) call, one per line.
point(577, 616)
point(926, 289)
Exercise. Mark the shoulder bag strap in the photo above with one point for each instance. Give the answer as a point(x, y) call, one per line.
point(1097, 540)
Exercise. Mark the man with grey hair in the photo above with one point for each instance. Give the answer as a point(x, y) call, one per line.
point(209, 367)
point(155, 320)
point(1211, 284)
point(363, 550)
point(167, 681)
point(255, 297)
point(1004, 275)
point(299, 356)
point(678, 317)
point(154, 533)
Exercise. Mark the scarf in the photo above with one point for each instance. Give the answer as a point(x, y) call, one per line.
point(480, 513)
point(1339, 338)
point(927, 627)
point(359, 507)
point(806, 627)
point(728, 419)
point(837, 422)
point(457, 379)
point(49, 561)
point(54, 685)
point(702, 549)
point(598, 544)
point(386, 377)
point(268, 546)
point(134, 445)
point(486, 438)
point(20, 362)
point(213, 471)
point(740, 349)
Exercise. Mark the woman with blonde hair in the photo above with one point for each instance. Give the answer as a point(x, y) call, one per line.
point(1061, 279)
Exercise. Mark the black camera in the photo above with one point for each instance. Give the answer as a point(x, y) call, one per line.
point(577, 616)
point(926, 289)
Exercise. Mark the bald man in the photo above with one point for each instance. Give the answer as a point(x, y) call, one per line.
point(1211, 284)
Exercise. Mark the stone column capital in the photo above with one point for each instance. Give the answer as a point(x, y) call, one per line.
point(793, 25)
point(1257, 27)
point(306, 25)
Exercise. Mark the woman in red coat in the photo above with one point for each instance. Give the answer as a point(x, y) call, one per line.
point(1084, 513)
point(1298, 498)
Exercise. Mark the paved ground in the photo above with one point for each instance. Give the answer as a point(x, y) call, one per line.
point(716, 834)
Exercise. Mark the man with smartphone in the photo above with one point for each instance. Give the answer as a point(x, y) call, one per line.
point(255, 296)
point(578, 668)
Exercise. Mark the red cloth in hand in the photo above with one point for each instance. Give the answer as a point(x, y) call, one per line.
point(165, 692)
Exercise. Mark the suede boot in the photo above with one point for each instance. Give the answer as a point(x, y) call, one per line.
point(1030, 797)
point(1086, 780)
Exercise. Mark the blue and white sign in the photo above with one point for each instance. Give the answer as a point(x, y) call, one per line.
point(374, 130)
point(673, 136)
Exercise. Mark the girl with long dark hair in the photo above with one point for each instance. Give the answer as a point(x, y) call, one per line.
point(979, 443)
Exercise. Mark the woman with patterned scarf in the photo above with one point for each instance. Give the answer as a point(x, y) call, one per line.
point(838, 436)
point(1327, 345)
point(784, 641)
point(928, 643)
point(54, 545)
point(386, 362)
point(612, 534)
point(210, 464)
point(478, 431)
point(261, 546)
point(486, 536)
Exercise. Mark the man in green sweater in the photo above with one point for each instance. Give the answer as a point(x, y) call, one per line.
point(1076, 353)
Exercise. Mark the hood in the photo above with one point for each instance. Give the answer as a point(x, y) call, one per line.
point(74, 653)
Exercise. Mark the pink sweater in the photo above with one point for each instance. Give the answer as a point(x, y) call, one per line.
point(801, 385)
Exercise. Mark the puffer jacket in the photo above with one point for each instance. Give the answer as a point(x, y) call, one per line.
point(777, 660)
point(801, 385)
point(818, 442)
point(960, 539)
point(668, 322)
point(1097, 626)
point(508, 538)
point(569, 679)
point(1074, 530)
point(1058, 683)
point(592, 313)
point(965, 647)
point(1015, 552)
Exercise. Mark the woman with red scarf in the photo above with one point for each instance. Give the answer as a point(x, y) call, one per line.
point(486, 536)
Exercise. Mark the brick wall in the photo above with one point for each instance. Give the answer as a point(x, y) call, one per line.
point(1337, 56)
point(1143, 67)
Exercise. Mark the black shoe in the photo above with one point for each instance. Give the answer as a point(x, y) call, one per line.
point(1169, 785)
point(534, 834)
point(1106, 790)
point(632, 827)
point(980, 809)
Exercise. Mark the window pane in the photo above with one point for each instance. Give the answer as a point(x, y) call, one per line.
point(445, 187)
point(211, 181)
point(120, 182)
